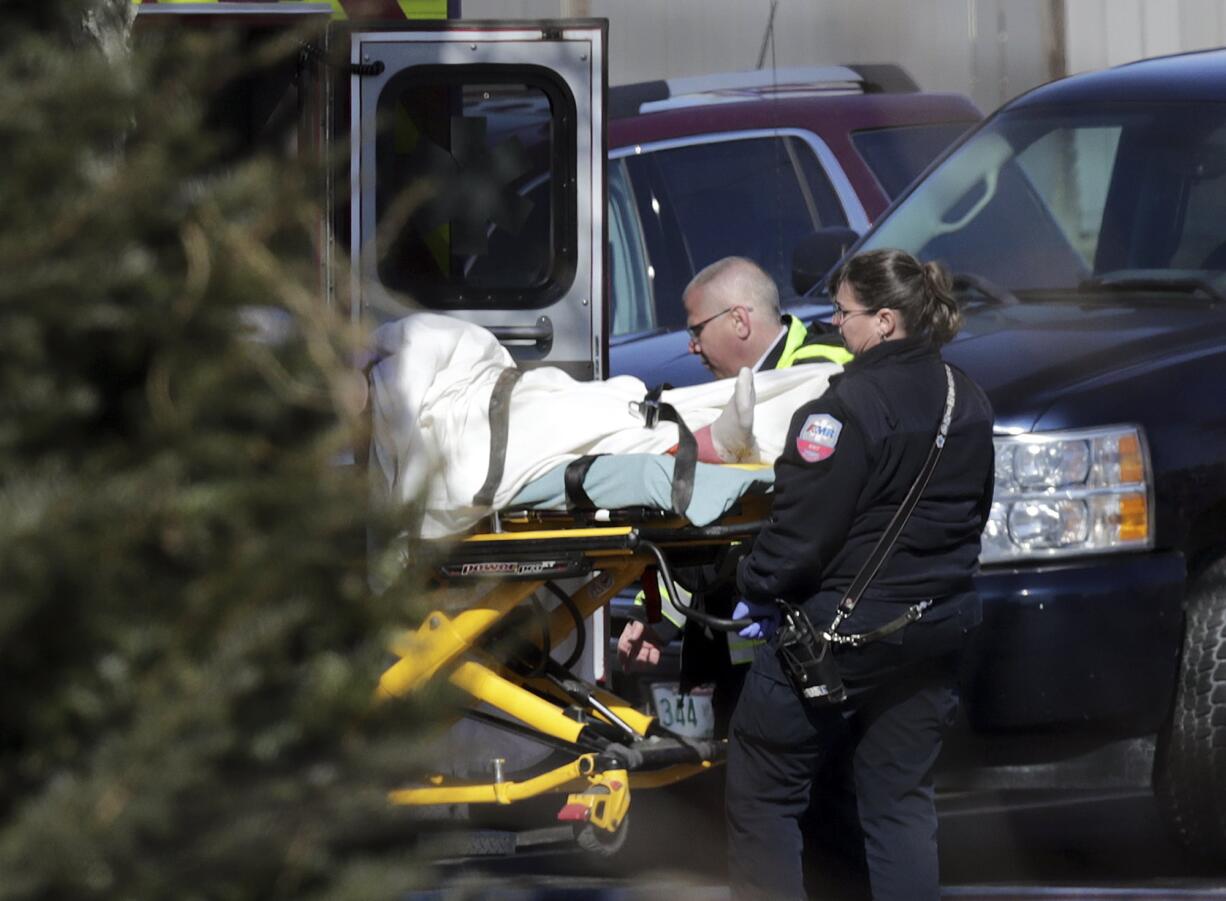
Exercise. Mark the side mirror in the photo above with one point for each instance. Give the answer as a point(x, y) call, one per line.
point(816, 254)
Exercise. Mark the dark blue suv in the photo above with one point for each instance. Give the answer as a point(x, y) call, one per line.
point(1086, 222)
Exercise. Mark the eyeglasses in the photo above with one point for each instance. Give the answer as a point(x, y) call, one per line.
point(840, 313)
point(696, 329)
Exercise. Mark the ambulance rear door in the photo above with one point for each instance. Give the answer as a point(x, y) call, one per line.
point(477, 181)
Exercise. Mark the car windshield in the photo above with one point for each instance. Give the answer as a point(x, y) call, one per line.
point(1046, 199)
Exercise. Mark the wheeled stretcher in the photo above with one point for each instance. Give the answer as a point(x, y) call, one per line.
point(459, 431)
point(496, 652)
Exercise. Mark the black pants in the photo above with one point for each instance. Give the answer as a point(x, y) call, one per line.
point(902, 698)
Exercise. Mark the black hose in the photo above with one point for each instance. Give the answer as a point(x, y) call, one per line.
point(580, 629)
point(719, 624)
point(733, 530)
point(542, 662)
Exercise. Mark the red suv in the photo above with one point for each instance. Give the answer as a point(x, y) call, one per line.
point(749, 163)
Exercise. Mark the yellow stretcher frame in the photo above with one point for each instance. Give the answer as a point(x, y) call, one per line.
point(599, 778)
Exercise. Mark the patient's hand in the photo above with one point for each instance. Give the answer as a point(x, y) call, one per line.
point(638, 644)
point(730, 438)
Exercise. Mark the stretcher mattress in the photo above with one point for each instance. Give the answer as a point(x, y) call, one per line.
point(619, 481)
point(431, 388)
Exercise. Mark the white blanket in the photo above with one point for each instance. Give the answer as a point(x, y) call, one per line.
point(430, 397)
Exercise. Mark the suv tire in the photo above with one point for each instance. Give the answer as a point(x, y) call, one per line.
point(1191, 771)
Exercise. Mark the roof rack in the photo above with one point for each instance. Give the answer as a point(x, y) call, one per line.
point(733, 87)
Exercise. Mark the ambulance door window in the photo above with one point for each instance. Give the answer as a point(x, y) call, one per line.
point(475, 190)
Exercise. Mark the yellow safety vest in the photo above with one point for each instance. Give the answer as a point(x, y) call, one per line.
point(668, 610)
point(796, 351)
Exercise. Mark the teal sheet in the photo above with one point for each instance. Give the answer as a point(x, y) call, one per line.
point(646, 480)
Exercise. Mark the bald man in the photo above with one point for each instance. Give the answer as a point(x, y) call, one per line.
point(732, 315)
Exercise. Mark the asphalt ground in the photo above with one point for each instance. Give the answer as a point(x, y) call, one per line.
point(994, 846)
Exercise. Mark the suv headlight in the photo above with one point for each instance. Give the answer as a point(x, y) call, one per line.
point(1069, 493)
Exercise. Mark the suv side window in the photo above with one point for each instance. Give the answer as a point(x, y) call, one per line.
point(695, 203)
point(751, 197)
point(897, 155)
point(630, 276)
point(1201, 243)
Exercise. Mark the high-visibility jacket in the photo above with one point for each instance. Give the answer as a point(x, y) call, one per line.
point(805, 345)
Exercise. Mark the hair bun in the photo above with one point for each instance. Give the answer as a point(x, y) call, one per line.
point(936, 277)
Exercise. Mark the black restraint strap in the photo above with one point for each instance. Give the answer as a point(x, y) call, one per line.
point(577, 500)
point(500, 423)
point(649, 408)
point(687, 448)
point(686, 459)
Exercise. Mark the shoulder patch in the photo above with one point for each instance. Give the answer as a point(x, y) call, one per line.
point(818, 437)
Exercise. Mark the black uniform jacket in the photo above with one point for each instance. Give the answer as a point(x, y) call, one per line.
point(716, 586)
point(704, 656)
point(849, 459)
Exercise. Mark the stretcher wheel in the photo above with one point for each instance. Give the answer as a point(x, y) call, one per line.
point(598, 841)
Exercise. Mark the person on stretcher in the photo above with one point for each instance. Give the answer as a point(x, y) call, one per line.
point(431, 390)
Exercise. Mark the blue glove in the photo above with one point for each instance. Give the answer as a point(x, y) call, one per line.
point(765, 618)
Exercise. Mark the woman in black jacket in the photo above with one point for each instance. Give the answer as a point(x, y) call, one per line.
point(850, 458)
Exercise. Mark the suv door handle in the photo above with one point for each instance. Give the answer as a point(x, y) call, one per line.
point(540, 333)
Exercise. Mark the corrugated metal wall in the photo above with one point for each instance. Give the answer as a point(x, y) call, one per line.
point(1109, 32)
point(989, 49)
